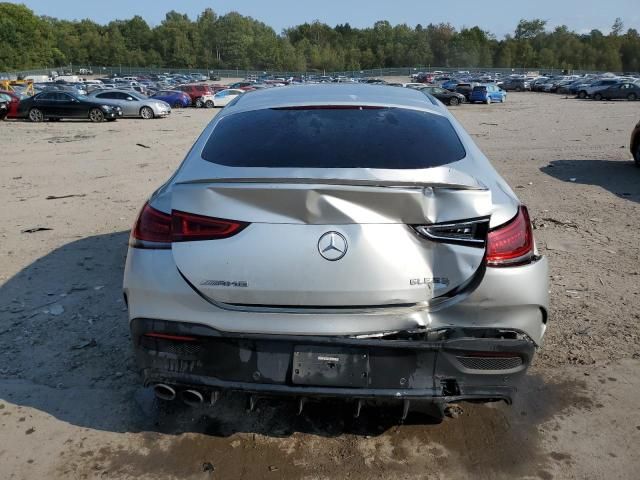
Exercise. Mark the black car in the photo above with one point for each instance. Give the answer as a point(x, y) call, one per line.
point(4, 109)
point(517, 84)
point(445, 96)
point(619, 91)
point(54, 105)
point(465, 89)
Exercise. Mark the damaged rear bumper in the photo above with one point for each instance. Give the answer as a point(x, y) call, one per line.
point(441, 366)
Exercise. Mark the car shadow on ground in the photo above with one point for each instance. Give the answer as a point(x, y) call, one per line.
point(65, 350)
point(619, 177)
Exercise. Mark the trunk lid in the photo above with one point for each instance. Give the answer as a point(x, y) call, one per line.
point(328, 243)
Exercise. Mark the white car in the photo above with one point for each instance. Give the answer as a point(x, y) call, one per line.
point(223, 97)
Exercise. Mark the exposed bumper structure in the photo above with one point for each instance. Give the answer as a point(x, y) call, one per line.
point(440, 366)
point(514, 298)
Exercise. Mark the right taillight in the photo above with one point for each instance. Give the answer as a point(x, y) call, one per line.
point(511, 244)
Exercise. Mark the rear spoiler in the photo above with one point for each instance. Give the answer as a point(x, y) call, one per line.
point(339, 181)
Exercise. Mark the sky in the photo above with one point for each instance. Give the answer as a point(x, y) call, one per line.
point(498, 17)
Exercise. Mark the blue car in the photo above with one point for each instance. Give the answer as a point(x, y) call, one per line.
point(487, 94)
point(175, 98)
point(451, 84)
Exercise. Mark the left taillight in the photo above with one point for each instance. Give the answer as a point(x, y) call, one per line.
point(156, 229)
point(152, 229)
point(189, 227)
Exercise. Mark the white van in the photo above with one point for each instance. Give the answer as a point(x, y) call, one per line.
point(38, 78)
point(68, 78)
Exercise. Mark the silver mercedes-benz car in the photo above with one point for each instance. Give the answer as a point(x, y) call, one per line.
point(133, 104)
point(335, 241)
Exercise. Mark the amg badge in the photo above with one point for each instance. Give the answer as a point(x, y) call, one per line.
point(225, 283)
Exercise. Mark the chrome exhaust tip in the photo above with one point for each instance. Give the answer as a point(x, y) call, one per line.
point(164, 392)
point(192, 398)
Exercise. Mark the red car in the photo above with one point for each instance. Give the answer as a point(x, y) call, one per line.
point(196, 92)
point(13, 100)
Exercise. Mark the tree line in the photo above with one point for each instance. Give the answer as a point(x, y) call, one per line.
point(235, 41)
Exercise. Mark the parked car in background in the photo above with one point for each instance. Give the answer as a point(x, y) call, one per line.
point(487, 94)
point(93, 85)
point(536, 85)
point(133, 104)
point(141, 89)
point(175, 98)
point(596, 86)
point(551, 86)
point(517, 84)
point(395, 301)
point(54, 105)
point(450, 84)
point(423, 77)
point(411, 85)
point(4, 108)
point(12, 100)
point(619, 91)
point(572, 87)
point(223, 97)
point(635, 144)
point(199, 77)
point(215, 88)
point(465, 88)
point(242, 85)
point(74, 88)
point(200, 94)
point(444, 95)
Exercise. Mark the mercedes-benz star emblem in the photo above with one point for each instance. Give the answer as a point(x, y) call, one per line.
point(332, 246)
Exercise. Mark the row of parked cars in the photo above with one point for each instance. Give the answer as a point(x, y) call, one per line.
point(140, 96)
point(99, 101)
point(97, 106)
point(596, 86)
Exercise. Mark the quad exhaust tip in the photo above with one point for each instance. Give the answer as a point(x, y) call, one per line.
point(193, 398)
point(164, 392)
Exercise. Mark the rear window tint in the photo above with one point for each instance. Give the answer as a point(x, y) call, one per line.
point(390, 138)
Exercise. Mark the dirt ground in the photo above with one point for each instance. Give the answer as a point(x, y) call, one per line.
point(71, 405)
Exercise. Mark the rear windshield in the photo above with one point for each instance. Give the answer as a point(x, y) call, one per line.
point(386, 138)
point(479, 89)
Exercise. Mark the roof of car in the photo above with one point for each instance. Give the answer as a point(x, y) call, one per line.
point(333, 94)
point(109, 90)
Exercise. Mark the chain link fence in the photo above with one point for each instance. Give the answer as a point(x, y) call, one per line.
point(122, 70)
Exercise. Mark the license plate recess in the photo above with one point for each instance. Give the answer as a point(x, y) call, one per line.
point(325, 366)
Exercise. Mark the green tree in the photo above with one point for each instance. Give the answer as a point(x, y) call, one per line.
point(237, 41)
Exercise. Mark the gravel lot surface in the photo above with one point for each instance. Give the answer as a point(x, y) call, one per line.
point(71, 405)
